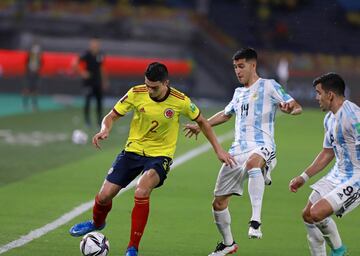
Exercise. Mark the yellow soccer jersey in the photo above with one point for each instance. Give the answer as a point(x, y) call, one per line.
point(155, 125)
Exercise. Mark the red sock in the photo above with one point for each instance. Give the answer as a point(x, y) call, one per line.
point(100, 212)
point(139, 218)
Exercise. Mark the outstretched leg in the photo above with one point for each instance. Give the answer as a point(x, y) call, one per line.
point(102, 206)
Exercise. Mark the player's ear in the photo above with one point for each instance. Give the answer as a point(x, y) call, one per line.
point(166, 82)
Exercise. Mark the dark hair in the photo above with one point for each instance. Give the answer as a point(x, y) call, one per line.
point(245, 53)
point(331, 82)
point(156, 72)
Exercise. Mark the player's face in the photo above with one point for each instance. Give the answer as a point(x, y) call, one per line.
point(323, 97)
point(244, 70)
point(94, 45)
point(157, 89)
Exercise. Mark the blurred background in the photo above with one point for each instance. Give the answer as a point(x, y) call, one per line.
point(297, 40)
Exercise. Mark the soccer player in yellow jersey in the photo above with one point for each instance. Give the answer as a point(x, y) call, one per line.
point(148, 151)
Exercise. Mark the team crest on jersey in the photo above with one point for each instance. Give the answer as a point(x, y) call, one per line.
point(169, 113)
point(255, 96)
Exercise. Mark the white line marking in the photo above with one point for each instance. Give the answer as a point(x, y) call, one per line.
point(86, 206)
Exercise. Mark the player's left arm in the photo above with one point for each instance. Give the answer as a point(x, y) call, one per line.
point(292, 107)
point(205, 127)
point(325, 156)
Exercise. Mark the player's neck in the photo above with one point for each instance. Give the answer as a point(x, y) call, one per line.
point(252, 80)
point(163, 96)
point(337, 104)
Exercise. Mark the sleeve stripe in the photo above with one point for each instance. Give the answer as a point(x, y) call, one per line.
point(181, 97)
point(114, 110)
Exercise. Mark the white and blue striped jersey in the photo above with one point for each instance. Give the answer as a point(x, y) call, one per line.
point(255, 108)
point(342, 134)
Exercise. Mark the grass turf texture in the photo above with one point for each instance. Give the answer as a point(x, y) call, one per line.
point(40, 183)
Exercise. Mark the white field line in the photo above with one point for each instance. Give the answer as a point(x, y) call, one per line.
point(86, 206)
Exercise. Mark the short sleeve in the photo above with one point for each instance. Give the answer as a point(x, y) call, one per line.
point(125, 104)
point(190, 110)
point(327, 136)
point(230, 108)
point(278, 93)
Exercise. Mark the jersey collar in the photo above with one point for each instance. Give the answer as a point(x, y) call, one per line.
point(163, 98)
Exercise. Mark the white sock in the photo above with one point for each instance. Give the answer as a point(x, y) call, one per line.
point(223, 221)
point(330, 232)
point(316, 240)
point(256, 189)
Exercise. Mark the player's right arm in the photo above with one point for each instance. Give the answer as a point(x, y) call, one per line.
point(320, 162)
point(106, 126)
point(218, 118)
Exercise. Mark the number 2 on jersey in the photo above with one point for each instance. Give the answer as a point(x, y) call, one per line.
point(154, 125)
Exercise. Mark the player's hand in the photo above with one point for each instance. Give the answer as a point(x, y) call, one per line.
point(296, 183)
point(226, 158)
point(191, 129)
point(286, 107)
point(84, 74)
point(102, 135)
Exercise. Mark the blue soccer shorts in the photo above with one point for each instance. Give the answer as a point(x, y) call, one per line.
point(128, 165)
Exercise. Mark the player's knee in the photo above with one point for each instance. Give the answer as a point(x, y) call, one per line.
point(103, 199)
point(219, 205)
point(142, 192)
point(316, 214)
point(307, 216)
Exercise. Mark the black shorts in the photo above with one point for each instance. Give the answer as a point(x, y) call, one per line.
point(127, 166)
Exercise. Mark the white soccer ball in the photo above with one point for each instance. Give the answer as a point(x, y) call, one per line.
point(94, 244)
point(79, 137)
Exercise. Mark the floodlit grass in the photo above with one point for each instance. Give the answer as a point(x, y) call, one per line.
point(40, 183)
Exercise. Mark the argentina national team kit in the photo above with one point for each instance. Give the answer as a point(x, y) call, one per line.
point(254, 108)
point(342, 133)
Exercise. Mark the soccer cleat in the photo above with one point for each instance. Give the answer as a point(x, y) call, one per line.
point(254, 230)
point(131, 251)
point(339, 251)
point(222, 249)
point(83, 228)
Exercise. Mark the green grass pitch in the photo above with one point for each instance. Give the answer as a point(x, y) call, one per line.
point(47, 176)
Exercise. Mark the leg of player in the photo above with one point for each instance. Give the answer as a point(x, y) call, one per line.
point(320, 212)
point(223, 222)
point(315, 238)
point(256, 187)
point(147, 182)
point(98, 97)
point(88, 95)
point(101, 208)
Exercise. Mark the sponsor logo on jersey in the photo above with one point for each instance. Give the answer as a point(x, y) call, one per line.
point(169, 113)
point(192, 107)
